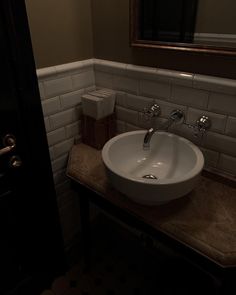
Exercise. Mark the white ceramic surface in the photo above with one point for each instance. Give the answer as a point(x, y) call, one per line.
point(173, 160)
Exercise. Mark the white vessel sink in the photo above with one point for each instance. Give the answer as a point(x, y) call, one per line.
point(174, 162)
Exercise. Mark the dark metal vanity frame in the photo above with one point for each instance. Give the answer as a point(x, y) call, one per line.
point(223, 278)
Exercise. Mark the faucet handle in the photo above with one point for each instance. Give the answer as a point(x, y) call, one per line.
point(151, 112)
point(202, 124)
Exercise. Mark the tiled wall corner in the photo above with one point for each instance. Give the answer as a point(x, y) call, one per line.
point(61, 88)
point(196, 95)
point(136, 87)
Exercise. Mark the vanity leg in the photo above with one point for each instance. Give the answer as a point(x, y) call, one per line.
point(228, 286)
point(86, 233)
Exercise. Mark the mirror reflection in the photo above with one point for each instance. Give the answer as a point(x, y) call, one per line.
point(201, 22)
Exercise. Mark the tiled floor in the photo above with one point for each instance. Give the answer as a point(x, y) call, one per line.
point(122, 265)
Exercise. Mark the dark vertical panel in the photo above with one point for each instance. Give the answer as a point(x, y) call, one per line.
point(31, 235)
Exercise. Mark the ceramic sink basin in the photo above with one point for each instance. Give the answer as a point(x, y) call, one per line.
point(170, 169)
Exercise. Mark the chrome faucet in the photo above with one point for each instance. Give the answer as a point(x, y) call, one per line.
point(175, 116)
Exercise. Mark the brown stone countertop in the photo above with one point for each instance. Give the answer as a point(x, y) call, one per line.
point(204, 220)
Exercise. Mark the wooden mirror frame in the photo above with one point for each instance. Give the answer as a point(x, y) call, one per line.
point(197, 48)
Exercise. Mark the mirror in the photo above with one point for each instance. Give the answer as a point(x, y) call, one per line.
point(191, 25)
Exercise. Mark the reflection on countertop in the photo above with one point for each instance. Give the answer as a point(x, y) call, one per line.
point(204, 220)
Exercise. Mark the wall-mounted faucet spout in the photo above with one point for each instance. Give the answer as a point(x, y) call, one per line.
point(175, 116)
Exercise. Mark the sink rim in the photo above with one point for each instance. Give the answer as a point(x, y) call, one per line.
point(197, 168)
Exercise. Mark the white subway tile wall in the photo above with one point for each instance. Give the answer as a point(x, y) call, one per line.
point(57, 86)
point(103, 79)
point(227, 163)
point(61, 88)
point(195, 94)
point(167, 107)
point(137, 103)
point(218, 122)
point(147, 73)
point(222, 103)
point(125, 84)
point(211, 157)
point(60, 163)
point(51, 106)
point(189, 96)
point(56, 136)
point(136, 87)
point(215, 84)
point(231, 126)
point(155, 89)
point(72, 99)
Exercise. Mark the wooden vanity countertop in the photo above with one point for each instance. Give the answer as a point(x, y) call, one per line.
point(204, 220)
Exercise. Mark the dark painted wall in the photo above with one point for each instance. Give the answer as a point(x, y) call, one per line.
point(111, 41)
